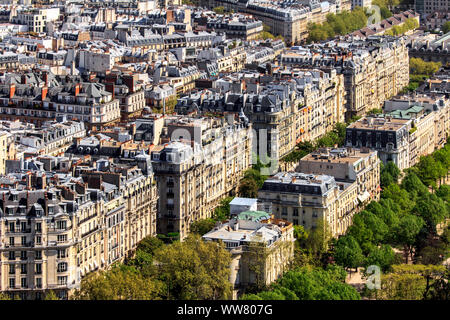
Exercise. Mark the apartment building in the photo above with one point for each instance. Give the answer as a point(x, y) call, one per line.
point(307, 199)
point(53, 234)
point(431, 6)
point(53, 138)
point(374, 69)
point(430, 122)
point(36, 18)
point(361, 166)
point(287, 107)
point(236, 26)
point(261, 248)
point(195, 175)
point(389, 136)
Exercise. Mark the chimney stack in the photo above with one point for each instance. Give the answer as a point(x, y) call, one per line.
point(12, 90)
point(77, 89)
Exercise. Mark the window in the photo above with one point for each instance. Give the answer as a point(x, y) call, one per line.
point(12, 269)
point(38, 255)
point(11, 241)
point(24, 283)
point(38, 240)
point(284, 211)
point(38, 268)
point(12, 283)
point(38, 285)
point(61, 225)
point(23, 255)
point(24, 241)
point(62, 238)
point(62, 280)
point(23, 268)
point(23, 226)
point(38, 227)
point(295, 214)
point(11, 227)
point(12, 255)
point(61, 253)
point(62, 267)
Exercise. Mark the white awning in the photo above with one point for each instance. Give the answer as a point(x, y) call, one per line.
point(364, 196)
point(86, 269)
point(103, 260)
point(91, 266)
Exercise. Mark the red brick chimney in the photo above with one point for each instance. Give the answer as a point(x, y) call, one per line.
point(44, 93)
point(169, 16)
point(129, 82)
point(109, 86)
point(12, 90)
point(77, 89)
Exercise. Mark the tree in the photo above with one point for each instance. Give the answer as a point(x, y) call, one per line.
point(119, 283)
point(318, 240)
point(418, 66)
point(4, 296)
point(51, 296)
point(195, 269)
point(150, 245)
point(389, 174)
point(222, 212)
point(443, 192)
point(248, 188)
point(375, 224)
point(347, 253)
point(398, 196)
point(203, 226)
point(432, 209)
point(406, 232)
point(317, 284)
point(414, 185)
point(362, 234)
point(382, 256)
point(446, 27)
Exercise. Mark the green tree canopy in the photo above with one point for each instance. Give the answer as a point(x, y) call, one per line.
point(203, 226)
point(347, 252)
point(195, 269)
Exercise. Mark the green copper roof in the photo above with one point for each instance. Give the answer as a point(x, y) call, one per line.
point(253, 215)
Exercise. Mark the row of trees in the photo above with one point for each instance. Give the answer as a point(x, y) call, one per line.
point(188, 270)
point(309, 283)
point(337, 24)
point(406, 217)
point(419, 71)
point(410, 24)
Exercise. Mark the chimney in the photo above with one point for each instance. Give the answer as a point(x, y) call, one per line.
point(129, 82)
point(169, 16)
point(46, 79)
point(12, 90)
point(44, 93)
point(109, 86)
point(77, 89)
